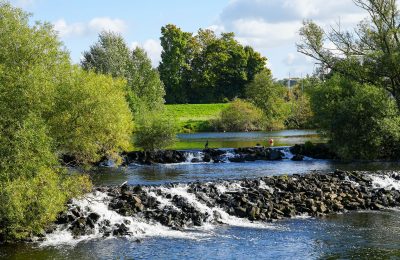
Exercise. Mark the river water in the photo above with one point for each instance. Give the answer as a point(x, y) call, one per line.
point(366, 235)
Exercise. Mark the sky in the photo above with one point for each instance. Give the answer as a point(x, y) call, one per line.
point(269, 26)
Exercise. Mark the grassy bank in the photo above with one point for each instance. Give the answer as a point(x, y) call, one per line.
point(194, 117)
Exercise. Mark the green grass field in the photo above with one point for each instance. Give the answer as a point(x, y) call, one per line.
point(194, 117)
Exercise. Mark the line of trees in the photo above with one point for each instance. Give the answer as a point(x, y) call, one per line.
point(205, 68)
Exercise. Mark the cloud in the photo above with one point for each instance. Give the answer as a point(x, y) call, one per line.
point(272, 26)
point(153, 49)
point(95, 25)
point(107, 24)
point(64, 29)
point(261, 34)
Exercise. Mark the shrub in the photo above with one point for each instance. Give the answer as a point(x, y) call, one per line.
point(361, 120)
point(32, 188)
point(154, 131)
point(92, 118)
point(240, 116)
point(268, 96)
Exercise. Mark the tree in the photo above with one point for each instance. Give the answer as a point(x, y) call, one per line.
point(360, 120)
point(175, 58)
point(154, 131)
point(145, 81)
point(33, 188)
point(205, 68)
point(269, 96)
point(112, 56)
point(91, 118)
point(369, 54)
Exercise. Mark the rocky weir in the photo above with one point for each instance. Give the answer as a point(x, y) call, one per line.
point(244, 154)
point(140, 211)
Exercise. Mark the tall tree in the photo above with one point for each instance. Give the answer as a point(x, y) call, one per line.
point(174, 62)
point(111, 55)
point(205, 68)
point(368, 54)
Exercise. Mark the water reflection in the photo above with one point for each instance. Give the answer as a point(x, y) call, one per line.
point(245, 139)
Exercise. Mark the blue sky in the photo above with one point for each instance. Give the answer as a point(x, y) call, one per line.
point(270, 26)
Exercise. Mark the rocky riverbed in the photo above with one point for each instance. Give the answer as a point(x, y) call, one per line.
point(116, 211)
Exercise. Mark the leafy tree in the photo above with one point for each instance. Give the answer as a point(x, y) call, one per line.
point(92, 118)
point(33, 189)
point(361, 120)
point(111, 55)
point(240, 116)
point(174, 62)
point(255, 63)
point(369, 54)
point(144, 81)
point(205, 68)
point(154, 131)
point(300, 115)
point(269, 96)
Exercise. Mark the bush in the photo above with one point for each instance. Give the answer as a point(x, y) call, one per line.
point(32, 188)
point(240, 116)
point(268, 96)
point(91, 118)
point(361, 120)
point(154, 131)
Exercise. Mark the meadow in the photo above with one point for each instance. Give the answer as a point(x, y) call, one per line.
point(194, 117)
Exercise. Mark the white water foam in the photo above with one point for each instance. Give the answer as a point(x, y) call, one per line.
point(264, 186)
point(384, 181)
point(98, 203)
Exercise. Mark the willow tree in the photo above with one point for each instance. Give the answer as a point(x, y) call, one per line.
point(370, 53)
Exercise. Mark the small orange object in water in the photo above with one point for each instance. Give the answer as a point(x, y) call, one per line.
point(271, 142)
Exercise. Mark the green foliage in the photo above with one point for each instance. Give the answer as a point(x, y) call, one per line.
point(111, 55)
point(154, 131)
point(33, 189)
point(358, 118)
point(269, 96)
point(144, 82)
point(194, 117)
point(300, 115)
point(367, 53)
point(240, 116)
point(174, 62)
point(91, 118)
point(205, 68)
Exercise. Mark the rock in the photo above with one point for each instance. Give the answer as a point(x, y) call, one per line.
point(94, 217)
point(297, 157)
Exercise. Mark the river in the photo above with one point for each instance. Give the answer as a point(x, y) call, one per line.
point(364, 234)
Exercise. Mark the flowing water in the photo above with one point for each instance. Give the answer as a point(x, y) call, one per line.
point(363, 234)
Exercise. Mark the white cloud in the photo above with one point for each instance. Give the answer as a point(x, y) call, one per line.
point(272, 26)
point(65, 29)
point(107, 24)
point(153, 49)
point(261, 34)
point(95, 25)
